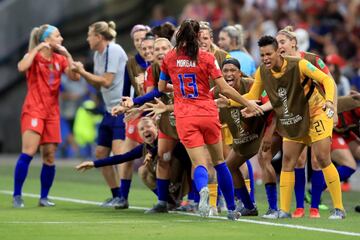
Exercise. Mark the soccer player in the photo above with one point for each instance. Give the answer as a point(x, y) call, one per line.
point(247, 134)
point(196, 114)
point(288, 46)
point(149, 134)
point(135, 69)
point(44, 63)
point(109, 67)
point(304, 117)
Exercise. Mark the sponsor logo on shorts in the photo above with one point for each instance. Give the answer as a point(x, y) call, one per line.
point(34, 122)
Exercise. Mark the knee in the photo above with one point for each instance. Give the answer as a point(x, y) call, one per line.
point(100, 153)
point(288, 163)
point(29, 150)
point(49, 158)
point(323, 159)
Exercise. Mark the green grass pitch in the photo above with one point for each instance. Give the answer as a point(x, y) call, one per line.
point(75, 220)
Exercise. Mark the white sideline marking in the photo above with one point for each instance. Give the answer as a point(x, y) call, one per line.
point(181, 213)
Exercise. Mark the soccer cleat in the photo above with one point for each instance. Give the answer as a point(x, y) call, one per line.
point(283, 214)
point(107, 203)
point(221, 204)
point(18, 202)
point(345, 187)
point(271, 214)
point(157, 208)
point(308, 199)
point(213, 211)
point(298, 213)
point(191, 207)
point(233, 215)
point(45, 202)
point(249, 212)
point(323, 206)
point(204, 207)
point(239, 205)
point(314, 213)
point(337, 214)
point(120, 203)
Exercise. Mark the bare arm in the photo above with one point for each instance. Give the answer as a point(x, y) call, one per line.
point(104, 80)
point(25, 63)
point(164, 86)
point(69, 71)
point(230, 92)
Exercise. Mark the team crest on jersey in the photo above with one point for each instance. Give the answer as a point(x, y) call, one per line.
point(131, 129)
point(57, 66)
point(34, 122)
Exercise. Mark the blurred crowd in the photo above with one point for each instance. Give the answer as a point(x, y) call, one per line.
point(328, 28)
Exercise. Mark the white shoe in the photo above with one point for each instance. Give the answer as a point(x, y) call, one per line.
point(204, 207)
point(213, 211)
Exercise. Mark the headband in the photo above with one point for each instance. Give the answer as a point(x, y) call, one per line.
point(48, 31)
point(232, 61)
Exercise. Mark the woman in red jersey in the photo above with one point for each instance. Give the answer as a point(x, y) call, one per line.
point(44, 63)
point(197, 122)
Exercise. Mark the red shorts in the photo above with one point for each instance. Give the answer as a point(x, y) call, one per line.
point(49, 129)
point(197, 131)
point(132, 130)
point(338, 142)
point(164, 136)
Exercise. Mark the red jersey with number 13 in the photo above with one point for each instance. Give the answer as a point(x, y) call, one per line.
point(191, 83)
point(43, 82)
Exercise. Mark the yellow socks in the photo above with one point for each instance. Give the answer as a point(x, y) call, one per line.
point(213, 193)
point(332, 180)
point(287, 183)
point(247, 184)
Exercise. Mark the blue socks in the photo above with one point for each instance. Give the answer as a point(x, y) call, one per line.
point(194, 193)
point(226, 184)
point(252, 180)
point(300, 182)
point(163, 189)
point(115, 192)
point(46, 178)
point(125, 188)
point(200, 177)
point(20, 173)
point(317, 187)
point(243, 195)
point(271, 194)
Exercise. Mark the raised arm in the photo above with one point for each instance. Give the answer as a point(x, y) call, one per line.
point(25, 63)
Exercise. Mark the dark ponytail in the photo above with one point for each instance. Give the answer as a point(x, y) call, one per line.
point(187, 39)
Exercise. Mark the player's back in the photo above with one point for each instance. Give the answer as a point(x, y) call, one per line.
point(191, 81)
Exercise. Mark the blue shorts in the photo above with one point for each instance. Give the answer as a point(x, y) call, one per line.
point(111, 128)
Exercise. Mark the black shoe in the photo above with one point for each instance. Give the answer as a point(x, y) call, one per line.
point(249, 212)
point(157, 208)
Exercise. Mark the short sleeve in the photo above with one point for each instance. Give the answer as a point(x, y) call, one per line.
point(213, 67)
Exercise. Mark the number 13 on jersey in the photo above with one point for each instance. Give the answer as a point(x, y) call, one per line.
point(193, 93)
